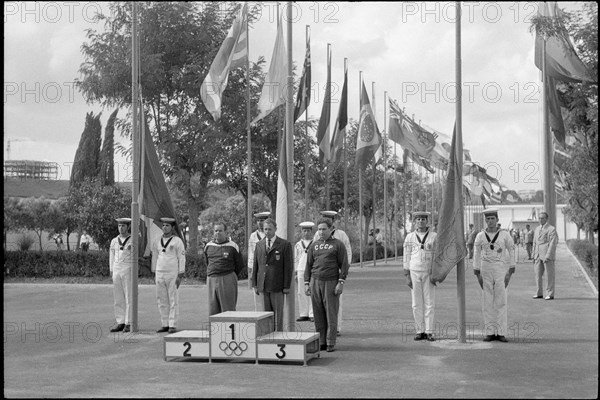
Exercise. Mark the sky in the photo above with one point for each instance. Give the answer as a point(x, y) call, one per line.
point(405, 49)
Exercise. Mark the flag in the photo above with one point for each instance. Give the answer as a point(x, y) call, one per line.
point(281, 205)
point(232, 54)
point(154, 199)
point(450, 246)
point(323, 137)
point(421, 161)
point(562, 62)
point(303, 97)
point(368, 139)
point(408, 134)
point(555, 119)
point(272, 94)
point(339, 130)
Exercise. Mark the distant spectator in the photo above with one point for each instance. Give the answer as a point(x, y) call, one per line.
point(85, 241)
point(59, 241)
point(378, 237)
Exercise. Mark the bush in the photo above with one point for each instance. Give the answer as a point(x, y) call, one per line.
point(587, 254)
point(25, 242)
point(379, 253)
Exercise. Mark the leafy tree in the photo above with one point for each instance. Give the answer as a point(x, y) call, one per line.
point(88, 151)
point(38, 216)
point(64, 220)
point(95, 208)
point(13, 216)
point(107, 155)
point(178, 42)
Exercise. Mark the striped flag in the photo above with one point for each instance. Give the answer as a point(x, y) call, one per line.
point(232, 54)
point(154, 199)
point(323, 136)
point(339, 130)
point(281, 205)
point(368, 139)
point(272, 94)
point(303, 98)
point(450, 246)
point(408, 134)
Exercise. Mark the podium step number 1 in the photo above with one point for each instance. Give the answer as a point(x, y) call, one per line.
point(242, 335)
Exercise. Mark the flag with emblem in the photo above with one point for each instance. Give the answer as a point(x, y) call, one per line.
point(232, 54)
point(303, 97)
point(408, 134)
point(368, 139)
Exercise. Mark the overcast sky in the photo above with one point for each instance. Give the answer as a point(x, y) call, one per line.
point(407, 49)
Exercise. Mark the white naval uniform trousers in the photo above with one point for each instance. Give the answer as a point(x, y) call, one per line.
point(120, 268)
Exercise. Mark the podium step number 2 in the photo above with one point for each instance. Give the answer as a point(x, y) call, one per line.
point(239, 335)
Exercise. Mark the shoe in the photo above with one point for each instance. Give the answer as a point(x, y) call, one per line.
point(127, 328)
point(489, 338)
point(421, 336)
point(312, 319)
point(118, 328)
point(330, 348)
point(323, 347)
point(172, 330)
point(537, 297)
point(501, 338)
point(549, 298)
point(338, 333)
point(430, 337)
point(302, 319)
point(163, 329)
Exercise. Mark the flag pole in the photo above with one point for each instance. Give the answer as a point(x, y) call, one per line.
point(307, 151)
point(345, 165)
point(396, 219)
point(328, 135)
point(135, 212)
point(547, 147)
point(249, 151)
point(360, 198)
point(374, 178)
point(384, 147)
point(290, 303)
point(460, 268)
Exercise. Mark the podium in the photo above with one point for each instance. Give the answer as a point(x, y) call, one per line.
point(242, 335)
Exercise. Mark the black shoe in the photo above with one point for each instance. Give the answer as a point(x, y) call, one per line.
point(323, 347)
point(421, 336)
point(172, 330)
point(163, 329)
point(501, 338)
point(489, 338)
point(127, 328)
point(118, 328)
point(302, 319)
point(537, 297)
point(430, 337)
point(311, 319)
point(330, 348)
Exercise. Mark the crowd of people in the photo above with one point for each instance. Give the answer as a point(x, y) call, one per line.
point(320, 263)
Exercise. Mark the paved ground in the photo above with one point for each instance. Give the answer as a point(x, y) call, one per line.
point(57, 344)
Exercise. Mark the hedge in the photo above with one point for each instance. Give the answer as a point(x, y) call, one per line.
point(49, 264)
point(587, 254)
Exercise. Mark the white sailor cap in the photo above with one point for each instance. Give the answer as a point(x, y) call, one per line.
point(421, 214)
point(123, 220)
point(329, 214)
point(306, 224)
point(262, 215)
point(168, 220)
point(489, 212)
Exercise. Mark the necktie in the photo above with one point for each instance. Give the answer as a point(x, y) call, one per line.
point(268, 244)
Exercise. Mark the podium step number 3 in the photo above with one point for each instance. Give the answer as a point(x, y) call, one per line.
point(240, 335)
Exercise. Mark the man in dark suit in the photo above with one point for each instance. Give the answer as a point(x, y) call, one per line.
point(273, 271)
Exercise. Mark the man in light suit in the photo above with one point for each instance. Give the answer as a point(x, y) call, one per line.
point(272, 271)
point(545, 239)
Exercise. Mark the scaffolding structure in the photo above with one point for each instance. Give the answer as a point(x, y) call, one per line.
point(29, 169)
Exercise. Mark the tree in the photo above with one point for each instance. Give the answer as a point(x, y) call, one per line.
point(107, 155)
point(13, 216)
point(38, 216)
point(95, 208)
point(178, 43)
point(88, 151)
point(64, 219)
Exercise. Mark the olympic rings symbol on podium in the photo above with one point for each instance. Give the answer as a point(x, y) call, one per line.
point(233, 347)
